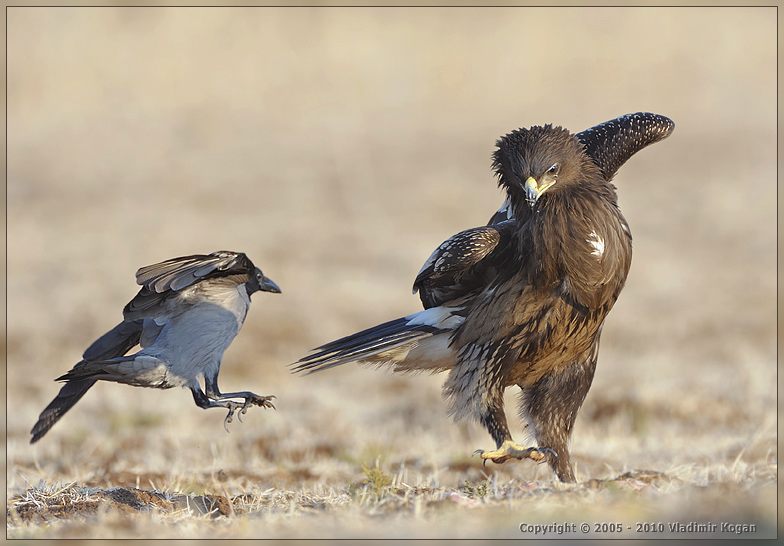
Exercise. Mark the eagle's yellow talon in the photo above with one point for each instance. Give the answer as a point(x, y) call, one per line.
point(511, 450)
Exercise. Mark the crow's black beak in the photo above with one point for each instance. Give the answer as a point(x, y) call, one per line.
point(268, 285)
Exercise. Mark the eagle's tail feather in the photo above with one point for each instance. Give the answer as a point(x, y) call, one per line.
point(413, 343)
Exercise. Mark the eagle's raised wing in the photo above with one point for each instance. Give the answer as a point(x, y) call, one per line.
point(612, 143)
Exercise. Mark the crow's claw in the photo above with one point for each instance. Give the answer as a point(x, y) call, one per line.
point(249, 400)
point(232, 406)
point(263, 401)
point(228, 419)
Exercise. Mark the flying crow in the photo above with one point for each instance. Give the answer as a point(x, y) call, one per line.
point(185, 316)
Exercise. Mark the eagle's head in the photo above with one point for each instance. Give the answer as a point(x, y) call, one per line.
point(541, 160)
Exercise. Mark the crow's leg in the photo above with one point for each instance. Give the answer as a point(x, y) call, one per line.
point(203, 401)
point(218, 399)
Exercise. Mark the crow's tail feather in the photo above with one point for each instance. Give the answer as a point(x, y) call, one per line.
point(114, 343)
point(65, 400)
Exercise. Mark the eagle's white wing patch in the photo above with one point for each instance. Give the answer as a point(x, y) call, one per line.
point(597, 243)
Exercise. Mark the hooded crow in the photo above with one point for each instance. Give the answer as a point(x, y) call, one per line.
point(186, 315)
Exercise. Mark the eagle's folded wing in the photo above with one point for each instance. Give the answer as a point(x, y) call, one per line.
point(464, 264)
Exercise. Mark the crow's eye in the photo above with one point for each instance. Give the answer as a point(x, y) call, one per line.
point(553, 171)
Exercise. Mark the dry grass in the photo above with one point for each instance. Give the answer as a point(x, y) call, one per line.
point(338, 147)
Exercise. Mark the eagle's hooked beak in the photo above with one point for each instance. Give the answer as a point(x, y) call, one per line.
point(534, 191)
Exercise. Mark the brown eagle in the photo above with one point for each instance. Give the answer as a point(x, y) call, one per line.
point(522, 300)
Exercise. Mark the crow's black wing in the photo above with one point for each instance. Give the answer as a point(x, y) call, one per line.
point(179, 273)
point(163, 280)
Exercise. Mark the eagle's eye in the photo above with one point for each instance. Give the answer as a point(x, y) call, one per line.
point(553, 171)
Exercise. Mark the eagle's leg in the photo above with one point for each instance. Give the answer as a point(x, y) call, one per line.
point(550, 406)
point(494, 420)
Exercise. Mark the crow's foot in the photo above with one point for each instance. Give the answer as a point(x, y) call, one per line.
point(251, 400)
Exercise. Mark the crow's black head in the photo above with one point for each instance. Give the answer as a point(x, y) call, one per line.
point(259, 281)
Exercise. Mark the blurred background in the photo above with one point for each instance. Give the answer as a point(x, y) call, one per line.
point(338, 147)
